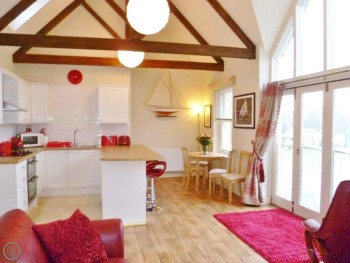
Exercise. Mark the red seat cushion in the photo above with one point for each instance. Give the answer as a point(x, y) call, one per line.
point(71, 240)
point(155, 169)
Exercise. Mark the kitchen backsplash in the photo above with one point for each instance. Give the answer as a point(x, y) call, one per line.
point(6, 132)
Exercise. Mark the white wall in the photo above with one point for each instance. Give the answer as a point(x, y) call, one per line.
point(166, 132)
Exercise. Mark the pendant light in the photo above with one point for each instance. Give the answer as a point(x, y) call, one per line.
point(148, 16)
point(130, 59)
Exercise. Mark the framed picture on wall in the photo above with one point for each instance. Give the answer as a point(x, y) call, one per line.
point(207, 116)
point(244, 111)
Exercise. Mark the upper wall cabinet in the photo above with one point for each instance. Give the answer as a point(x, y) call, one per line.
point(15, 99)
point(113, 104)
point(33, 98)
point(39, 108)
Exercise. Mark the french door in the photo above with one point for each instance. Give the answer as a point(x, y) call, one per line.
point(312, 148)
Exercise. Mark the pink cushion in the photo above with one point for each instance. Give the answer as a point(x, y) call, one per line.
point(71, 240)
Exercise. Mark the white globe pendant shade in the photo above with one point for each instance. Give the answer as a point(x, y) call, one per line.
point(130, 59)
point(148, 16)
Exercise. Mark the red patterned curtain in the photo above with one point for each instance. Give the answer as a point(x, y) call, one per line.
point(268, 116)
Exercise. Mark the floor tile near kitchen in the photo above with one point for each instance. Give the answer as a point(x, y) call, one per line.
point(61, 207)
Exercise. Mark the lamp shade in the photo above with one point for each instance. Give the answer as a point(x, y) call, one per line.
point(130, 59)
point(148, 16)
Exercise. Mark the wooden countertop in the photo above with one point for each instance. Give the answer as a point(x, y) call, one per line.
point(36, 150)
point(128, 153)
point(109, 153)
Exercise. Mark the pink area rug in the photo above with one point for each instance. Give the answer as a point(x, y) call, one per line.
point(277, 235)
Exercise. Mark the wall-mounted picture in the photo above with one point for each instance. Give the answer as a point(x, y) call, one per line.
point(207, 116)
point(244, 111)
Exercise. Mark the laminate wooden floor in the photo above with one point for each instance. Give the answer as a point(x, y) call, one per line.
point(185, 231)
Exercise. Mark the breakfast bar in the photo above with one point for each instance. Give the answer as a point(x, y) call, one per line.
point(124, 182)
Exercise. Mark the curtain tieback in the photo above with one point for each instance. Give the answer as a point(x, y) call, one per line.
point(261, 165)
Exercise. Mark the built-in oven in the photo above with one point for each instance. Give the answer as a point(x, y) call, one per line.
point(31, 179)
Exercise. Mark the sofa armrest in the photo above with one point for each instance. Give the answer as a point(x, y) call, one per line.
point(112, 235)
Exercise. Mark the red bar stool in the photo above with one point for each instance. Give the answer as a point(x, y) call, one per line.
point(154, 169)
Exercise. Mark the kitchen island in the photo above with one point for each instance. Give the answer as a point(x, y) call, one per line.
point(124, 182)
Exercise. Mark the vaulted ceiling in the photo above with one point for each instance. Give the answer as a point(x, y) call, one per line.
point(199, 34)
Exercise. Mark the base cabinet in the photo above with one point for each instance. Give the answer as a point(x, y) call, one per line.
point(13, 187)
point(56, 169)
point(84, 168)
point(72, 172)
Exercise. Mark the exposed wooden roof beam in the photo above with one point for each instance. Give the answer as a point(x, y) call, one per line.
point(97, 61)
point(14, 12)
point(118, 44)
point(190, 28)
point(233, 25)
point(53, 23)
point(100, 20)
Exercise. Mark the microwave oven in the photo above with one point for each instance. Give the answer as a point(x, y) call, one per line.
point(32, 139)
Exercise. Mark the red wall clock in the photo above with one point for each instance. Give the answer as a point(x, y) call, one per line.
point(75, 76)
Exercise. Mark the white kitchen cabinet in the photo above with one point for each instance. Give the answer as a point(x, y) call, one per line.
point(113, 104)
point(16, 91)
point(13, 187)
point(31, 97)
point(84, 168)
point(39, 108)
point(72, 172)
point(56, 169)
point(40, 172)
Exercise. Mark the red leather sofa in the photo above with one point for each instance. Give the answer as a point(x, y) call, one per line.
point(16, 228)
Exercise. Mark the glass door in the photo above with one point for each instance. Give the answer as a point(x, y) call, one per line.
point(312, 153)
point(308, 155)
point(284, 147)
point(341, 133)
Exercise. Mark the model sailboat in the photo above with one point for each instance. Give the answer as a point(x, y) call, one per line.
point(165, 100)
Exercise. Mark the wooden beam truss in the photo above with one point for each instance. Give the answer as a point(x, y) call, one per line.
point(133, 41)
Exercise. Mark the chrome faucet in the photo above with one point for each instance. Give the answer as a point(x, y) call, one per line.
point(75, 137)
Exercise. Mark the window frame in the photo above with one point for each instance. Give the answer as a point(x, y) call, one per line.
point(219, 120)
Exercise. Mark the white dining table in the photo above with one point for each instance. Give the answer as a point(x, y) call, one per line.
point(200, 156)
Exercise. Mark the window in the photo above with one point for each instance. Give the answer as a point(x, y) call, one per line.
point(339, 39)
point(224, 102)
point(316, 40)
point(311, 41)
point(27, 14)
point(285, 58)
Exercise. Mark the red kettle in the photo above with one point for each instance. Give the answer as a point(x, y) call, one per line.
point(17, 142)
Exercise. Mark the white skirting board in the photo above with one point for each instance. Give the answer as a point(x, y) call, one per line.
point(173, 157)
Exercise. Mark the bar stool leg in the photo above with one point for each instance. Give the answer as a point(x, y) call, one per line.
point(153, 207)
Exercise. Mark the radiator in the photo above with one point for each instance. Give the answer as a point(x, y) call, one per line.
point(173, 157)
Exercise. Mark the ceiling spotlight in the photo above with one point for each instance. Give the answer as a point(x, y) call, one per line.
point(130, 59)
point(148, 16)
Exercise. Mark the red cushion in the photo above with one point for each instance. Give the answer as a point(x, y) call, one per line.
point(71, 240)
